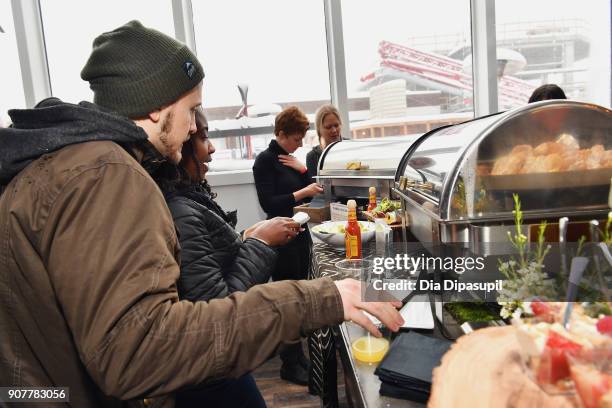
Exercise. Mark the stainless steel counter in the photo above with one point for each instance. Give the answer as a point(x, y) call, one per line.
point(360, 379)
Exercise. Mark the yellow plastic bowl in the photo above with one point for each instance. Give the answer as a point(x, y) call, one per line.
point(370, 349)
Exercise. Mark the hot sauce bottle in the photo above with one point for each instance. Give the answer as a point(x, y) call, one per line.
point(352, 232)
point(372, 204)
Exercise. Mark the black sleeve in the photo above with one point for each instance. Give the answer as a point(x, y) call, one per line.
point(252, 265)
point(201, 276)
point(207, 273)
point(265, 179)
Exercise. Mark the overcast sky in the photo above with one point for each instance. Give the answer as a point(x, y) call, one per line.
point(276, 46)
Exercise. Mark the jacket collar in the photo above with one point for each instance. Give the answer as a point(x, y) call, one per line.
point(147, 155)
point(199, 193)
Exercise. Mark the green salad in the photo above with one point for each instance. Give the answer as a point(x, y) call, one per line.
point(387, 205)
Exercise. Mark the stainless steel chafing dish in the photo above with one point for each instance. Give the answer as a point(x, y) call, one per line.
point(378, 160)
point(456, 183)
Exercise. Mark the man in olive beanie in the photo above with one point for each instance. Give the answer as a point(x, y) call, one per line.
point(134, 70)
point(89, 259)
point(141, 73)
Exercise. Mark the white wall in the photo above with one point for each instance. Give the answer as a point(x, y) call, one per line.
point(236, 190)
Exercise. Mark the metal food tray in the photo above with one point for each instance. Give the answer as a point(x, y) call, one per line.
point(546, 181)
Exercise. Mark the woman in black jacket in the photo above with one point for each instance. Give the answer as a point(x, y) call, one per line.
point(282, 183)
point(215, 259)
point(329, 129)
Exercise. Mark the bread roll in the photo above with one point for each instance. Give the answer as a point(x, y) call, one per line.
point(513, 162)
point(510, 164)
point(553, 162)
point(522, 149)
point(594, 161)
point(550, 163)
point(606, 161)
point(568, 141)
point(547, 148)
point(550, 157)
point(576, 160)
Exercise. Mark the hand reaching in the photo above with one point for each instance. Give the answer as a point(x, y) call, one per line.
point(386, 312)
point(313, 189)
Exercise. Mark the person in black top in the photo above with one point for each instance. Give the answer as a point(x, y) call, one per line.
point(215, 260)
point(546, 92)
point(282, 183)
point(329, 127)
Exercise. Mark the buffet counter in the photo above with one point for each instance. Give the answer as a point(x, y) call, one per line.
point(539, 176)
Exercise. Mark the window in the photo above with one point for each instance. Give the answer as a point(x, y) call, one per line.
point(69, 44)
point(11, 95)
point(549, 41)
point(405, 64)
point(275, 47)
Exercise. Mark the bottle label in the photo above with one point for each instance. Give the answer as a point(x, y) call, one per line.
point(352, 246)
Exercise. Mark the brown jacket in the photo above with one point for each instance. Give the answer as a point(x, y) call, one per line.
point(88, 266)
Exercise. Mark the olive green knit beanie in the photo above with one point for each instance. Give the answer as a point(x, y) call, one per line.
point(135, 70)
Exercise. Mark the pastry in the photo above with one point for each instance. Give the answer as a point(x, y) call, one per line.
point(546, 148)
point(568, 141)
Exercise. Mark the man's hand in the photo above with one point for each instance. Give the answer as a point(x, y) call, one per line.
point(386, 312)
point(291, 161)
point(277, 231)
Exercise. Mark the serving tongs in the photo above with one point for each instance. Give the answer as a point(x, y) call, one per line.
point(594, 230)
point(577, 268)
point(563, 244)
point(579, 265)
point(605, 251)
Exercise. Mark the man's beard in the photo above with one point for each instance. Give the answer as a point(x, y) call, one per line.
point(168, 152)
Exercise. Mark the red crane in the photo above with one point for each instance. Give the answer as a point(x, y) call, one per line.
point(444, 73)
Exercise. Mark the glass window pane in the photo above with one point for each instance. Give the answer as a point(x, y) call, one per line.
point(405, 65)
point(69, 43)
point(275, 47)
point(11, 95)
point(549, 41)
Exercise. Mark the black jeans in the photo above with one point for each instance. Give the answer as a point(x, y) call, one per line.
point(239, 393)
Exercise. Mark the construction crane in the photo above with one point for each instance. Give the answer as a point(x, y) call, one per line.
point(441, 73)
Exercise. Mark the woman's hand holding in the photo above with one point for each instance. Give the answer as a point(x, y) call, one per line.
point(314, 189)
point(310, 190)
point(276, 231)
point(249, 231)
point(293, 162)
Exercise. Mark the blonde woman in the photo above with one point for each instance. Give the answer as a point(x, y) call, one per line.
point(329, 126)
